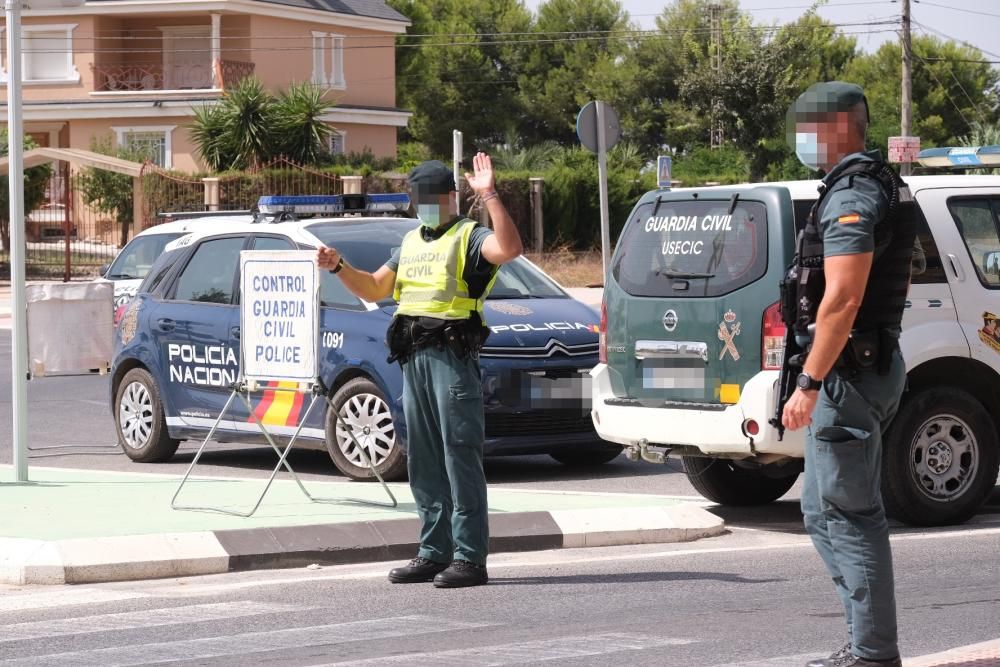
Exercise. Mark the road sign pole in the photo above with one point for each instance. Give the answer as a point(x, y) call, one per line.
point(602, 175)
point(456, 150)
point(15, 175)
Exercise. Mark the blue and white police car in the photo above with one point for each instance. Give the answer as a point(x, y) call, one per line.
point(177, 348)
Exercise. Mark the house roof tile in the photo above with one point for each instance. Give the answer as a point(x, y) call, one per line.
point(377, 9)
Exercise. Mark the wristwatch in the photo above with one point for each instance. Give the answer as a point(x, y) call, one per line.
point(806, 382)
point(340, 265)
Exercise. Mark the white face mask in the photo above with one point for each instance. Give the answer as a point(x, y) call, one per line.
point(430, 215)
point(807, 149)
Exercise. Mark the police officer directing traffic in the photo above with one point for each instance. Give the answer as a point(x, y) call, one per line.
point(440, 277)
point(851, 276)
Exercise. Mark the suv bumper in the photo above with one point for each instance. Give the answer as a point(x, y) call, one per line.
point(713, 432)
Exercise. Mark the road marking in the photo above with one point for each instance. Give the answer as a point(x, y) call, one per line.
point(63, 598)
point(779, 661)
point(201, 613)
point(253, 642)
point(563, 648)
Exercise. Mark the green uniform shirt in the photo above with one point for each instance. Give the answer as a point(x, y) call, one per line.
point(851, 210)
point(478, 270)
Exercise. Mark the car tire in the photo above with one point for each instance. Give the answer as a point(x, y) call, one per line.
point(363, 406)
point(724, 482)
point(940, 459)
point(139, 420)
point(587, 457)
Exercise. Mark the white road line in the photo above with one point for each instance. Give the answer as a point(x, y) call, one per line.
point(200, 613)
point(563, 648)
point(64, 597)
point(252, 642)
point(779, 661)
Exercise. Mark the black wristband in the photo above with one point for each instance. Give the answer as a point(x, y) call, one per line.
point(339, 266)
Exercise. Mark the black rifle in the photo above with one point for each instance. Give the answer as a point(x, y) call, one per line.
point(794, 354)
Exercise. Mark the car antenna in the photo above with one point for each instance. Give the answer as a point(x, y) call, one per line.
point(732, 203)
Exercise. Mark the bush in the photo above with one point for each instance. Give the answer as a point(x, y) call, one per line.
point(725, 165)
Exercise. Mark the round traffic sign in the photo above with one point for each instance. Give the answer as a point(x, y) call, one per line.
point(586, 126)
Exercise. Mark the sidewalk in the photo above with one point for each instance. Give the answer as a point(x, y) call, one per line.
point(83, 526)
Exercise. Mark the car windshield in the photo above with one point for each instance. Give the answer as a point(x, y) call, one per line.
point(136, 258)
point(368, 244)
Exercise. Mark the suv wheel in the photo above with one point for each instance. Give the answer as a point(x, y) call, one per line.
point(142, 430)
point(724, 482)
point(587, 457)
point(940, 459)
point(364, 409)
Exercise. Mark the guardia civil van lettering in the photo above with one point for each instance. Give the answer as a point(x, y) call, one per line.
point(692, 341)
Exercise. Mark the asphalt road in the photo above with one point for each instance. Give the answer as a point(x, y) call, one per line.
point(748, 599)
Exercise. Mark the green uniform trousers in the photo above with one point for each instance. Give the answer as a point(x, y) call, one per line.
point(842, 502)
point(443, 406)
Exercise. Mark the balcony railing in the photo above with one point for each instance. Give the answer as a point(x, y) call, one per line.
point(137, 77)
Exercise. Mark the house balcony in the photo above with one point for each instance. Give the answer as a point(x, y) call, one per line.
point(155, 76)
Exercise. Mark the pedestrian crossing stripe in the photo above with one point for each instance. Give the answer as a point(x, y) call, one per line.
point(280, 408)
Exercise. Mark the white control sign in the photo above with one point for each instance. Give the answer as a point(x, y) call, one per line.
point(279, 315)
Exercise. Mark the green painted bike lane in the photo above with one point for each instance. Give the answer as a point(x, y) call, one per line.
point(60, 504)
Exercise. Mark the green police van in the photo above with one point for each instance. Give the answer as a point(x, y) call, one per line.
point(692, 344)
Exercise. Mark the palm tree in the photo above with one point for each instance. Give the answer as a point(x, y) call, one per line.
point(249, 117)
point(210, 137)
point(302, 134)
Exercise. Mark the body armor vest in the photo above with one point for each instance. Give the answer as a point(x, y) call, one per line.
point(889, 280)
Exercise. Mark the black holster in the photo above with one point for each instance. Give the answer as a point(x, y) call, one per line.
point(869, 350)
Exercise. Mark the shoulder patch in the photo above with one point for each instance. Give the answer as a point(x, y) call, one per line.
point(849, 219)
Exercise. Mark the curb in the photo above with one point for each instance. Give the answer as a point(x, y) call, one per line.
point(133, 557)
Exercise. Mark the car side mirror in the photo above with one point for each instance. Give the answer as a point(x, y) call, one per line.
point(991, 263)
point(104, 269)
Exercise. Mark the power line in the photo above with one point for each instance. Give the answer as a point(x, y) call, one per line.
point(953, 39)
point(959, 9)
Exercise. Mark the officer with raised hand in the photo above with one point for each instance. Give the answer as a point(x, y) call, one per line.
point(850, 277)
point(440, 277)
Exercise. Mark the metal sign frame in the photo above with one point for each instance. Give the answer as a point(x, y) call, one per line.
point(244, 387)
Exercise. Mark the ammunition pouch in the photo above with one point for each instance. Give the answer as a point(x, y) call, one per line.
point(869, 351)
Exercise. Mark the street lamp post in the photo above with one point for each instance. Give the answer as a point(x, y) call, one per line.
point(15, 150)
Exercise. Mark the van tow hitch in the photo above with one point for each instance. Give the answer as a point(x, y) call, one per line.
point(643, 452)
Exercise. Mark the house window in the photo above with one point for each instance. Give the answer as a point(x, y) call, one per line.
point(338, 142)
point(328, 60)
point(46, 55)
point(152, 142)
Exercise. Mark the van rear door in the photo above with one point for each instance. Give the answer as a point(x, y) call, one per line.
point(692, 277)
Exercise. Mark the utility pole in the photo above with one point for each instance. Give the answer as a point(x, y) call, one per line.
point(715, 18)
point(907, 97)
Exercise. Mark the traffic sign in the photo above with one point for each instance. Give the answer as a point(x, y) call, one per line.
point(587, 124)
point(903, 149)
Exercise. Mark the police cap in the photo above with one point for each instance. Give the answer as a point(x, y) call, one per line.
point(432, 178)
point(829, 97)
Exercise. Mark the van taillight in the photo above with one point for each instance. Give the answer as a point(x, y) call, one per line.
point(603, 334)
point(772, 338)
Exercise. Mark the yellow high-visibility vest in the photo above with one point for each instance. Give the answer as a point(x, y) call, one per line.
point(430, 279)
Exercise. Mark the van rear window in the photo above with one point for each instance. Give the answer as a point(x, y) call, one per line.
point(691, 248)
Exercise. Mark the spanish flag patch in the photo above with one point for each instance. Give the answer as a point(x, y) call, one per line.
point(850, 219)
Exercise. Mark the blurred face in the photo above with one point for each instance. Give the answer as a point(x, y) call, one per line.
point(822, 144)
point(433, 210)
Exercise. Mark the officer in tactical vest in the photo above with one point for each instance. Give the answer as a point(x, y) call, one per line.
point(440, 277)
point(850, 280)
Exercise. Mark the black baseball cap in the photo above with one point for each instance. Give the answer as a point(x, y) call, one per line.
point(432, 177)
point(829, 97)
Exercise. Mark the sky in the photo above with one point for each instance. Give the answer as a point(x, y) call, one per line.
point(974, 21)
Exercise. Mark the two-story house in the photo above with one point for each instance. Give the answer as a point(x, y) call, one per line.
point(136, 69)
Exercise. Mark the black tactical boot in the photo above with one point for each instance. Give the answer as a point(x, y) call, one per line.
point(417, 571)
point(460, 574)
point(851, 660)
point(841, 652)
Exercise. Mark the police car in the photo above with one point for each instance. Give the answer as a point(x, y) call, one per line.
point(692, 342)
point(176, 348)
point(133, 262)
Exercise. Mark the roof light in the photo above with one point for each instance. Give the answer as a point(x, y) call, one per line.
point(960, 157)
point(331, 205)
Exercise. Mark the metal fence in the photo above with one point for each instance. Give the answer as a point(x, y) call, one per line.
point(280, 176)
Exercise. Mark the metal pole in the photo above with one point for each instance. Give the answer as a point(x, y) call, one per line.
point(18, 315)
point(456, 149)
point(602, 173)
point(907, 95)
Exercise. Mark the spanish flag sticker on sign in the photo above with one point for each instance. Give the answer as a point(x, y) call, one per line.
point(849, 219)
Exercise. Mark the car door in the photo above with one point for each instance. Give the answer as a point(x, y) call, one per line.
point(193, 329)
point(971, 250)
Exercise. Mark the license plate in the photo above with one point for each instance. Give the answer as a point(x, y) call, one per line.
point(663, 374)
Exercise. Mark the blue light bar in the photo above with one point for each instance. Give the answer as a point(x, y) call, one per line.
point(960, 157)
point(333, 205)
point(328, 204)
